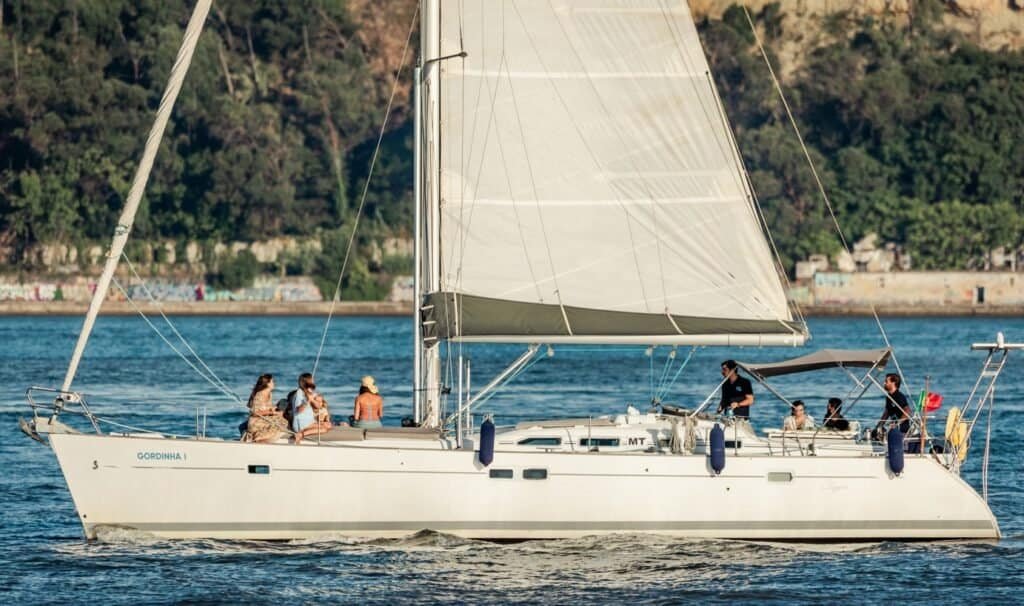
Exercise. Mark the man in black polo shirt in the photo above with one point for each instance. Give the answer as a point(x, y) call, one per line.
point(737, 395)
point(896, 405)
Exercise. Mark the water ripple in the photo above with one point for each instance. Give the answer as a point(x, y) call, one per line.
point(45, 560)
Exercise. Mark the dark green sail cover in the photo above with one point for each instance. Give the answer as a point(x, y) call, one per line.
point(449, 315)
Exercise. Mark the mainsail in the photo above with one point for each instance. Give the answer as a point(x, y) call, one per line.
point(590, 188)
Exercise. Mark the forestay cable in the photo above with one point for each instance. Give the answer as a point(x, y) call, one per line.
point(227, 391)
point(131, 207)
point(366, 187)
point(220, 384)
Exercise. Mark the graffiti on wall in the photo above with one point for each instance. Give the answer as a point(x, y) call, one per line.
point(81, 290)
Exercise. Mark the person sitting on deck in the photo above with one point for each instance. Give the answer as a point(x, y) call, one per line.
point(305, 421)
point(798, 420)
point(319, 403)
point(369, 405)
point(265, 423)
point(834, 416)
point(737, 394)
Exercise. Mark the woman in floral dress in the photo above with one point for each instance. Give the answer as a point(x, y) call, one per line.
point(266, 422)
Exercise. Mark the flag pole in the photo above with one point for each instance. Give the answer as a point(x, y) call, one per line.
point(924, 417)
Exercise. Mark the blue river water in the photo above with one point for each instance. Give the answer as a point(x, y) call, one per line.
point(133, 377)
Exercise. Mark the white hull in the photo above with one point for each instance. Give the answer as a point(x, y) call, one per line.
point(391, 488)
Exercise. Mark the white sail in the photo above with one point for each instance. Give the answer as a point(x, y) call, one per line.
point(589, 183)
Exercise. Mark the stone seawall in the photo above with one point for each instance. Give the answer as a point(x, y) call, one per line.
point(386, 308)
point(209, 308)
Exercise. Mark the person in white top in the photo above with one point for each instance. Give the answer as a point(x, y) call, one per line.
point(798, 420)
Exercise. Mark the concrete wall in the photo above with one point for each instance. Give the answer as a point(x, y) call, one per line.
point(80, 290)
point(926, 289)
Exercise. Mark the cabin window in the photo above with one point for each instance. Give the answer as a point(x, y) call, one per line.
point(540, 442)
point(259, 469)
point(780, 476)
point(535, 474)
point(599, 441)
point(503, 474)
point(734, 443)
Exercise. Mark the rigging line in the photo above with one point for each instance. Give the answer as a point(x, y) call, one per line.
point(140, 429)
point(366, 187)
point(669, 360)
point(464, 225)
point(755, 202)
point(659, 244)
point(536, 197)
point(590, 151)
point(134, 199)
point(650, 356)
point(462, 161)
point(741, 177)
point(223, 390)
point(522, 234)
point(632, 161)
point(785, 103)
point(173, 328)
point(511, 193)
point(679, 371)
point(817, 179)
point(654, 389)
point(497, 388)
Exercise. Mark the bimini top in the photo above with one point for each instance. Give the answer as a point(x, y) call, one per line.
point(826, 358)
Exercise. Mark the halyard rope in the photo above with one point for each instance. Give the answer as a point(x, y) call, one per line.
point(366, 187)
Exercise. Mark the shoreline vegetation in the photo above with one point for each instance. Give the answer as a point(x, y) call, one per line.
point(404, 308)
point(913, 123)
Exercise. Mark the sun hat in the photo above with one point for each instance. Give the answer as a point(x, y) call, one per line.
point(369, 384)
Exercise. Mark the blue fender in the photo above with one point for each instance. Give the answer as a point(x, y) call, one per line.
point(717, 451)
point(486, 442)
point(894, 454)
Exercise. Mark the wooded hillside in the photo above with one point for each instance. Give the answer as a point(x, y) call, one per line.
point(917, 131)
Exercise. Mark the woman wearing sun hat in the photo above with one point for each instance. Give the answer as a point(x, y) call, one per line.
point(369, 405)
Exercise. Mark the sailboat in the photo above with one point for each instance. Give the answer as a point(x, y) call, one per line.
point(577, 182)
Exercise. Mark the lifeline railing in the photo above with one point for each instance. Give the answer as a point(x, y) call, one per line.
point(959, 431)
point(61, 401)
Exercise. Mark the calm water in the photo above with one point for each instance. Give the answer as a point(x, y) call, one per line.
point(137, 379)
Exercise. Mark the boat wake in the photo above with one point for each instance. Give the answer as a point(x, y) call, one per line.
point(423, 540)
point(117, 535)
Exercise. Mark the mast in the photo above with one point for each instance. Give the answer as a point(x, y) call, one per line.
point(417, 273)
point(131, 207)
point(429, 169)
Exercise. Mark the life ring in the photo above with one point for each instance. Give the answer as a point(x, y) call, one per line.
point(956, 433)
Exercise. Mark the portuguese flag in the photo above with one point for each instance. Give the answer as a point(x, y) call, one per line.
point(928, 402)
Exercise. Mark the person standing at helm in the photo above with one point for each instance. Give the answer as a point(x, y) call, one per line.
point(897, 407)
point(369, 405)
point(737, 394)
